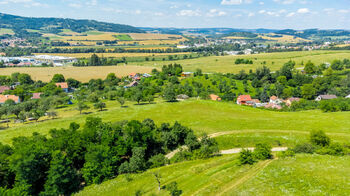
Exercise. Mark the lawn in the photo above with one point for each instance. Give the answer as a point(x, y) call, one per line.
point(209, 117)
point(302, 175)
point(123, 37)
point(226, 64)
point(4, 31)
point(83, 74)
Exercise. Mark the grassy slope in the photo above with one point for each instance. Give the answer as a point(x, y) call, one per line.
point(207, 116)
point(303, 175)
point(226, 64)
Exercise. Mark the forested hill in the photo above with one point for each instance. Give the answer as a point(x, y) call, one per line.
point(55, 25)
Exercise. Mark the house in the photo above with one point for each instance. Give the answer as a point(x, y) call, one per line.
point(4, 98)
point(186, 74)
point(64, 86)
point(290, 101)
point(146, 75)
point(273, 106)
point(326, 97)
point(243, 99)
point(253, 102)
point(275, 100)
point(2, 54)
point(214, 97)
point(132, 84)
point(36, 96)
point(4, 88)
point(182, 97)
point(348, 97)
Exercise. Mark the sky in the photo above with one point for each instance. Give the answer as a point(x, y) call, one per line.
point(248, 14)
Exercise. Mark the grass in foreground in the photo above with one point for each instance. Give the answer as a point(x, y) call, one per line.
point(206, 116)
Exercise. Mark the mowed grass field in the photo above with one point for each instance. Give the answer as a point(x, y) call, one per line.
point(302, 175)
point(115, 55)
point(83, 74)
point(226, 64)
point(209, 117)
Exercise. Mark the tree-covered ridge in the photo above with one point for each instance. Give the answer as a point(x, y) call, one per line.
point(55, 25)
point(314, 32)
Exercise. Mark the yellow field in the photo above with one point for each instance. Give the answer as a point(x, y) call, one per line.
point(284, 39)
point(83, 74)
point(235, 37)
point(116, 55)
point(150, 36)
point(6, 31)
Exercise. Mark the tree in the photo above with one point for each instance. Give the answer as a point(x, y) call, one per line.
point(169, 93)
point(263, 151)
point(121, 101)
point(25, 79)
point(319, 138)
point(308, 91)
point(58, 78)
point(82, 106)
point(158, 177)
point(246, 157)
point(150, 98)
point(137, 161)
point(138, 96)
point(172, 188)
point(100, 105)
point(62, 178)
point(310, 68)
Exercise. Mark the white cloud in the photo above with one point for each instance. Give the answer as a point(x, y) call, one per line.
point(343, 11)
point(261, 3)
point(303, 11)
point(251, 14)
point(291, 14)
point(235, 2)
point(285, 2)
point(262, 11)
point(189, 13)
point(158, 14)
point(92, 3)
point(215, 12)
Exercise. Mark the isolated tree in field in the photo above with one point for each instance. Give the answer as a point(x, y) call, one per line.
point(93, 98)
point(58, 78)
point(263, 151)
point(100, 105)
point(246, 157)
point(173, 189)
point(62, 178)
point(150, 98)
point(319, 138)
point(81, 106)
point(52, 113)
point(157, 176)
point(121, 101)
point(138, 96)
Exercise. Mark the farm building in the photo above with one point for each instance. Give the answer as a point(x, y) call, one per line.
point(253, 102)
point(186, 74)
point(36, 96)
point(4, 88)
point(214, 97)
point(290, 101)
point(132, 84)
point(64, 86)
point(326, 97)
point(243, 99)
point(4, 98)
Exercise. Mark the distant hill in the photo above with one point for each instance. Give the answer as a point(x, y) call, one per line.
point(20, 25)
point(309, 33)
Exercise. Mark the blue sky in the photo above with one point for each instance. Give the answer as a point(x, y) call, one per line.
point(277, 14)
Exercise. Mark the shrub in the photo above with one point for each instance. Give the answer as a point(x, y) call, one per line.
point(334, 149)
point(287, 153)
point(180, 156)
point(304, 148)
point(246, 157)
point(263, 151)
point(173, 189)
point(158, 161)
point(319, 138)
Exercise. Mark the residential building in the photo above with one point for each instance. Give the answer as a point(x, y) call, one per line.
point(348, 97)
point(64, 86)
point(214, 97)
point(326, 97)
point(4, 98)
point(4, 88)
point(243, 99)
point(36, 96)
point(290, 101)
point(275, 100)
point(186, 74)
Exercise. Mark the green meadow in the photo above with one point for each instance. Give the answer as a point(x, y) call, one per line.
point(242, 123)
point(301, 175)
point(226, 64)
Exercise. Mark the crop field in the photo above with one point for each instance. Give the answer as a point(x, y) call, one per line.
point(116, 55)
point(284, 38)
point(211, 117)
point(226, 64)
point(302, 175)
point(123, 37)
point(6, 31)
point(83, 74)
point(151, 36)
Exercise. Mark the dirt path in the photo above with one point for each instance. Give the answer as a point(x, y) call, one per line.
point(248, 175)
point(238, 150)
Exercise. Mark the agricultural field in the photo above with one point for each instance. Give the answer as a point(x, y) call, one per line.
point(83, 74)
point(4, 31)
point(115, 55)
point(302, 175)
point(223, 119)
point(226, 64)
point(123, 37)
point(283, 39)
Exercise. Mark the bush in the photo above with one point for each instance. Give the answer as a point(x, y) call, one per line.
point(319, 138)
point(287, 153)
point(263, 152)
point(304, 148)
point(173, 189)
point(246, 157)
point(334, 149)
point(180, 156)
point(158, 161)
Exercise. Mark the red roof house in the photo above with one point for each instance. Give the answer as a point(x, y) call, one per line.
point(243, 99)
point(214, 97)
point(64, 86)
point(4, 98)
point(36, 96)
